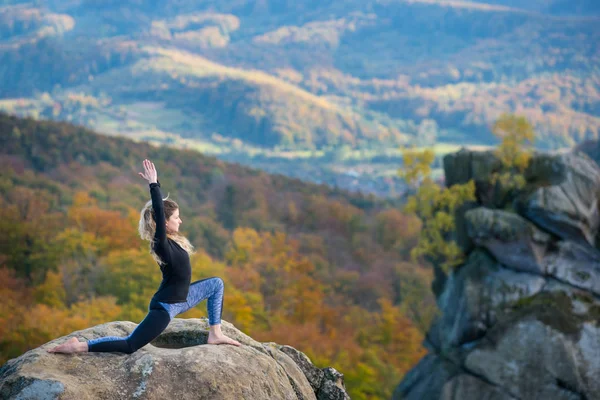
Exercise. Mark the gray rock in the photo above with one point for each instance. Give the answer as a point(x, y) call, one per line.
point(333, 387)
point(568, 209)
point(591, 148)
point(465, 386)
point(565, 186)
point(546, 169)
point(542, 351)
point(174, 365)
point(518, 244)
point(314, 375)
point(463, 240)
point(473, 293)
point(521, 317)
point(512, 240)
point(464, 165)
point(41, 390)
point(426, 380)
point(295, 374)
point(582, 300)
point(575, 264)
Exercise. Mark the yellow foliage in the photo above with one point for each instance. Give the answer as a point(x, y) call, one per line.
point(73, 242)
point(435, 206)
point(416, 164)
point(96, 311)
point(240, 309)
point(130, 275)
point(515, 150)
point(51, 292)
point(82, 199)
point(25, 325)
point(243, 243)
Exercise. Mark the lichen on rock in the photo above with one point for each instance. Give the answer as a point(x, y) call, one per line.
point(520, 319)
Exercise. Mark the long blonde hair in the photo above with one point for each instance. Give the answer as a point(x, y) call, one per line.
point(147, 228)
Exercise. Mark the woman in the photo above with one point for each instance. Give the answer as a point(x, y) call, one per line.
point(159, 223)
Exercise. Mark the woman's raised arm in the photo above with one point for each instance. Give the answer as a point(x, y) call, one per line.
point(160, 236)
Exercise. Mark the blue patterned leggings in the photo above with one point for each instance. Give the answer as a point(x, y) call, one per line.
point(160, 314)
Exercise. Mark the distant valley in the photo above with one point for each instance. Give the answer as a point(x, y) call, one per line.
point(321, 90)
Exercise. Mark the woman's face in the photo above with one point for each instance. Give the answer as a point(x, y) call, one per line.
point(173, 222)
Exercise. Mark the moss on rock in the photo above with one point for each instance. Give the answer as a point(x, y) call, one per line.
point(554, 309)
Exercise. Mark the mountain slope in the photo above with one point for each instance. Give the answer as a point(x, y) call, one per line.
point(306, 76)
point(318, 267)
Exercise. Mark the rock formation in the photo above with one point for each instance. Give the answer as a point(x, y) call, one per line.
point(520, 319)
point(176, 365)
point(591, 148)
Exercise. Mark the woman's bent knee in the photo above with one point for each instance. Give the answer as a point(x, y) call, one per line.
point(219, 281)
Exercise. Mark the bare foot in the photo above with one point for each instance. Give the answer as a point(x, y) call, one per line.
point(70, 346)
point(221, 339)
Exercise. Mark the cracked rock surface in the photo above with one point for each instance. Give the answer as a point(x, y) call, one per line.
point(520, 319)
point(178, 364)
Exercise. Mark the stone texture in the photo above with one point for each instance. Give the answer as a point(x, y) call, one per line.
point(176, 365)
point(463, 240)
point(426, 380)
point(516, 243)
point(531, 355)
point(520, 319)
point(314, 375)
point(578, 265)
point(473, 293)
point(564, 189)
point(512, 240)
point(467, 386)
point(568, 209)
point(333, 387)
point(591, 148)
point(465, 164)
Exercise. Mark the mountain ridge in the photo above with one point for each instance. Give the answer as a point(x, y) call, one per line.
point(412, 44)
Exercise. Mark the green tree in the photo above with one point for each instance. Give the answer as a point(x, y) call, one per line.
point(515, 150)
point(436, 207)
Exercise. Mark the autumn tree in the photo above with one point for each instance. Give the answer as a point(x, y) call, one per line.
point(27, 228)
point(435, 206)
point(515, 150)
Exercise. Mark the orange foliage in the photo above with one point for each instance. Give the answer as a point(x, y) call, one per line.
point(25, 325)
point(327, 286)
point(86, 215)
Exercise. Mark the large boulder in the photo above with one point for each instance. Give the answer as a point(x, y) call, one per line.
point(575, 264)
point(514, 241)
point(518, 244)
point(591, 148)
point(466, 165)
point(471, 297)
point(562, 194)
point(427, 379)
point(465, 386)
point(545, 348)
point(520, 319)
point(176, 365)
point(568, 209)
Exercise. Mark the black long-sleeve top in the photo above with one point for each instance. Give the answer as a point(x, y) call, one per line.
point(177, 270)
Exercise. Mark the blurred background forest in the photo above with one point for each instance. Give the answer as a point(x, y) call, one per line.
point(324, 270)
point(324, 91)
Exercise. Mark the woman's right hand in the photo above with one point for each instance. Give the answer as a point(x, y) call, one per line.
point(149, 172)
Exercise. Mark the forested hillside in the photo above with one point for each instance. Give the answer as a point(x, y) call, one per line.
point(325, 271)
point(305, 76)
